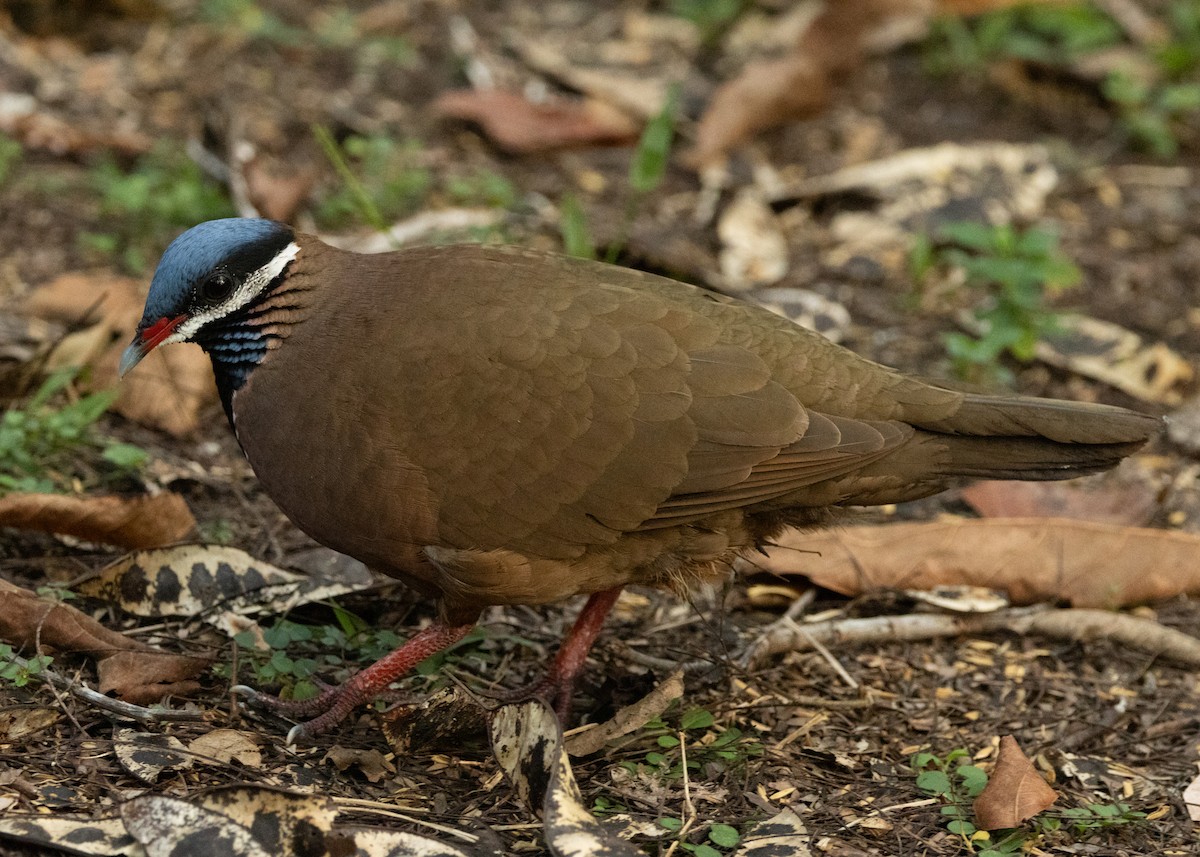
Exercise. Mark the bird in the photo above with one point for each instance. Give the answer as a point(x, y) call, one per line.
point(497, 425)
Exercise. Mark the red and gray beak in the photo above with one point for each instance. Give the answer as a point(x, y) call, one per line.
point(147, 340)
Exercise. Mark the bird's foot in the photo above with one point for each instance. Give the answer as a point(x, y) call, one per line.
point(558, 686)
point(333, 703)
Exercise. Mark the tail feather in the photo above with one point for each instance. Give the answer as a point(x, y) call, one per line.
point(1053, 419)
point(1027, 458)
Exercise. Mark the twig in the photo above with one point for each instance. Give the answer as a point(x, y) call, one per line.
point(1073, 624)
point(796, 609)
point(107, 703)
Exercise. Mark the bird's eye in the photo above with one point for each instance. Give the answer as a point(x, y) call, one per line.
point(216, 288)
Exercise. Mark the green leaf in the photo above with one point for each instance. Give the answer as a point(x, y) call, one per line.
point(705, 851)
point(572, 225)
point(962, 828)
point(933, 782)
point(668, 741)
point(1180, 98)
point(970, 234)
point(724, 836)
point(923, 760)
point(649, 163)
point(973, 779)
point(670, 823)
point(697, 718)
point(125, 455)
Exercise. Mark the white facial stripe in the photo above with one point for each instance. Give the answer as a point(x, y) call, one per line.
point(245, 293)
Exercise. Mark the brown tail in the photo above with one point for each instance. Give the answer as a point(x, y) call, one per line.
point(995, 437)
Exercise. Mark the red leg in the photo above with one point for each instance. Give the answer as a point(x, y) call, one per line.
point(331, 706)
point(559, 683)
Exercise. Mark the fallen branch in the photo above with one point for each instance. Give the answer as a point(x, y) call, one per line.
point(1078, 624)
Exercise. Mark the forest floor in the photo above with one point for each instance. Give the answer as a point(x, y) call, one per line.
point(126, 121)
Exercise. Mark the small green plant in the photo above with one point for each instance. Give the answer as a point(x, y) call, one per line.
point(41, 446)
point(1083, 820)
point(1048, 33)
point(719, 838)
point(1152, 110)
point(710, 750)
point(20, 671)
point(381, 180)
point(250, 20)
point(956, 783)
point(1151, 114)
point(1015, 271)
point(602, 807)
point(298, 651)
point(11, 152)
point(647, 169)
point(146, 206)
point(711, 17)
point(649, 165)
point(572, 225)
point(483, 187)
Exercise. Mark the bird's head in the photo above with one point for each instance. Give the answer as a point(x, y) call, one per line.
point(208, 272)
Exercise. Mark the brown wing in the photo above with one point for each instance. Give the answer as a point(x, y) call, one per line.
point(552, 410)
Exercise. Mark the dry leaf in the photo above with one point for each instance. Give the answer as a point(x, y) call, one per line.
point(137, 672)
point(527, 743)
point(1032, 559)
point(147, 677)
point(103, 837)
point(277, 191)
point(170, 385)
point(36, 127)
point(1107, 503)
point(447, 718)
point(1107, 352)
point(241, 821)
point(225, 745)
point(146, 755)
point(771, 92)
point(192, 580)
point(753, 247)
point(520, 126)
point(782, 835)
point(1015, 790)
point(1191, 799)
point(373, 764)
point(129, 522)
point(22, 721)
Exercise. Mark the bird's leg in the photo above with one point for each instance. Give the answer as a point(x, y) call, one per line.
point(333, 703)
point(559, 682)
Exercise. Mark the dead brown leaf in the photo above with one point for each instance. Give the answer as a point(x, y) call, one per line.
point(170, 385)
point(139, 673)
point(520, 126)
point(1109, 503)
point(370, 762)
point(129, 522)
point(276, 190)
point(225, 745)
point(147, 676)
point(37, 127)
point(772, 92)
point(1032, 559)
point(1015, 791)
